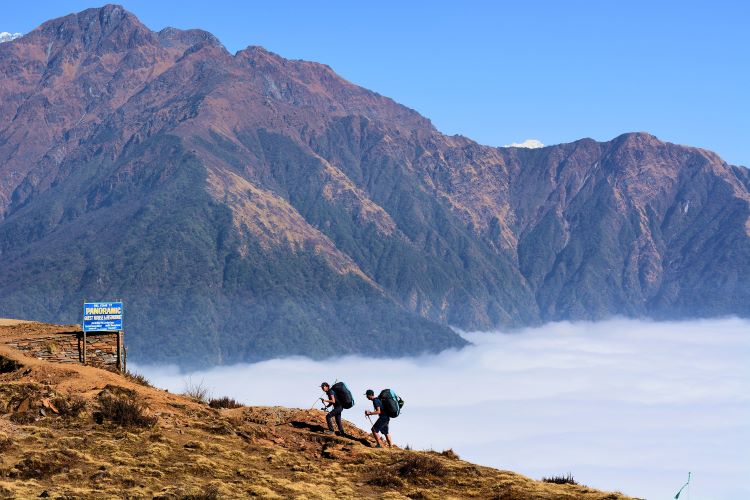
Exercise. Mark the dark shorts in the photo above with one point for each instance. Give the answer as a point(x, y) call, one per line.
point(381, 424)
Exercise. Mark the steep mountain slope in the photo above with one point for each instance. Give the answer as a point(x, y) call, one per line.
point(246, 206)
point(80, 432)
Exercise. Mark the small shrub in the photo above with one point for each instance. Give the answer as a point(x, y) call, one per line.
point(224, 402)
point(8, 365)
point(51, 347)
point(196, 391)
point(5, 443)
point(560, 479)
point(42, 465)
point(449, 453)
point(138, 379)
point(419, 466)
point(210, 492)
point(124, 411)
point(24, 417)
point(386, 479)
point(69, 407)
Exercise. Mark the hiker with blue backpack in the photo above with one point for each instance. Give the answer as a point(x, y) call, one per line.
point(386, 406)
point(340, 398)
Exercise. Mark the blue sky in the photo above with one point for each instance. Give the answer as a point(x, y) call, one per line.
point(502, 72)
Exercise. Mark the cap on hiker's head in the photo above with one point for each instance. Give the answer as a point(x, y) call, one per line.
point(369, 392)
point(324, 384)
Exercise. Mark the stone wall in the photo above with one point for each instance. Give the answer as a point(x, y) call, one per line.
point(67, 347)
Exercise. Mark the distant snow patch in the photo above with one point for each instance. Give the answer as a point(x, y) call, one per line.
point(7, 37)
point(528, 143)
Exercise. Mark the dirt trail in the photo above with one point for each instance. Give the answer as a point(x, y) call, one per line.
point(11, 322)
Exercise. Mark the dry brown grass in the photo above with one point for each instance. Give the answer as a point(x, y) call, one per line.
point(210, 492)
point(449, 453)
point(560, 479)
point(5, 443)
point(225, 402)
point(138, 379)
point(420, 466)
point(386, 479)
point(70, 407)
point(197, 391)
point(124, 409)
point(40, 465)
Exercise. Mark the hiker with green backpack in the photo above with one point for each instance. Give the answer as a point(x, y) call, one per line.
point(387, 405)
point(340, 398)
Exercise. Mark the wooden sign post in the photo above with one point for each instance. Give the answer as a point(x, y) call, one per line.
point(102, 317)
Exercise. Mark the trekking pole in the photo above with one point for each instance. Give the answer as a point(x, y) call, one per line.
point(315, 403)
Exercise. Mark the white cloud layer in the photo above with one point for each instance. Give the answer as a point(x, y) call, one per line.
point(7, 37)
point(623, 405)
point(528, 143)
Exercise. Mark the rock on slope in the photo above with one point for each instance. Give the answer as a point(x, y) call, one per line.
point(247, 206)
point(72, 431)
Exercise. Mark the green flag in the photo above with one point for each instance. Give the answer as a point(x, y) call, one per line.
point(683, 487)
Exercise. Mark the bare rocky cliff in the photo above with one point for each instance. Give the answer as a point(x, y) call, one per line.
point(246, 206)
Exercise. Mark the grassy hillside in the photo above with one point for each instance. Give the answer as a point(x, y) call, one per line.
point(73, 431)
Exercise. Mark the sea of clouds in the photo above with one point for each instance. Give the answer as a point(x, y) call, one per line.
point(622, 405)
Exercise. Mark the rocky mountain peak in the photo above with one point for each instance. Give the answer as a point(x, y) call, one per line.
point(637, 140)
point(111, 25)
point(188, 37)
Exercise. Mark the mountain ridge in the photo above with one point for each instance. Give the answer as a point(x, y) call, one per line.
point(274, 208)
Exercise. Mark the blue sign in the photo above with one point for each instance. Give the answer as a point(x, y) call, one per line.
point(102, 316)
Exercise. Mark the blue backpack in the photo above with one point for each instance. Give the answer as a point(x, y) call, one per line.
point(392, 404)
point(343, 395)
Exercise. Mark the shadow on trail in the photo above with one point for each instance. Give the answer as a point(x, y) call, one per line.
point(320, 429)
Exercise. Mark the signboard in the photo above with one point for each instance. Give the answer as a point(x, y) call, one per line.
point(102, 316)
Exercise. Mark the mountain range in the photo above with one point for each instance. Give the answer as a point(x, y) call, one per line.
point(246, 206)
